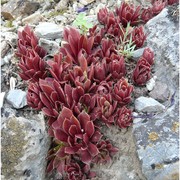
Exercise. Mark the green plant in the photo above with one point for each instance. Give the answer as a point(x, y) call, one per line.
point(127, 45)
point(82, 23)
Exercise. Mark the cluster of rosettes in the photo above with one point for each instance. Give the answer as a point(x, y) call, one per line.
point(83, 87)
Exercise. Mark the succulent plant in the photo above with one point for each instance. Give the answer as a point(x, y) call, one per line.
point(128, 13)
point(141, 73)
point(124, 117)
point(79, 133)
point(85, 85)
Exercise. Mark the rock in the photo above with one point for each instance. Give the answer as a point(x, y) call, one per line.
point(4, 48)
point(51, 46)
point(33, 18)
point(110, 3)
point(61, 18)
point(160, 92)
point(91, 12)
point(11, 37)
point(48, 30)
point(151, 83)
point(86, 2)
point(100, 6)
point(6, 59)
point(24, 147)
point(137, 53)
point(2, 94)
point(17, 98)
point(157, 138)
point(148, 104)
point(62, 5)
point(15, 8)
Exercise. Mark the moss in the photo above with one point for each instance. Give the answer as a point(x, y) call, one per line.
point(12, 146)
point(9, 24)
point(56, 13)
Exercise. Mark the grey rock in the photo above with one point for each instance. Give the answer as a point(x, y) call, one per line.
point(33, 18)
point(17, 98)
point(148, 104)
point(86, 2)
point(48, 30)
point(137, 53)
point(51, 46)
point(10, 37)
point(156, 138)
point(24, 147)
point(160, 92)
point(62, 5)
point(15, 8)
point(6, 59)
point(4, 48)
point(151, 83)
point(61, 18)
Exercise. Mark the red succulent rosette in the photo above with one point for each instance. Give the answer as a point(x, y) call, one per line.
point(146, 14)
point(79, 133)
point(102, 15)
point(128, 13)
point(33, 99)
point(28, 40)
point(59, 66)
point(106, 151)
point(122, 92)
point(117, 66)
point(32, 66)
point(75, 42)
point(170, 2)
point(158, 6)
point(106, 108)
point(141, 73)
point(124, 117)
point(138, 36)
point(148, 54)
point(75, 171)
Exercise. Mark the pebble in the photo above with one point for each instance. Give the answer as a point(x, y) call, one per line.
point(48, 30)
point(4, 48)
point(148, 104)
point(151, 83)
point(86, 2)
point(160, 92)
point(17, 98)
point(52, 47)
point(137, 53)
point(33, 18)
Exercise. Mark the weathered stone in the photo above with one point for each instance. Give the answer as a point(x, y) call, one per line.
point(157, 137)
point(151, 83)
point(33, 18)
point(24, 147)
point(61, 18)
point(160, 92)
point(86, 2)
point(10, 37)
point(62, 5)
point(148, 104)
point(15, 8)
point(137, 53)
point(4, 48)
point(17, 98)
point(51, 46)
point(48, 30)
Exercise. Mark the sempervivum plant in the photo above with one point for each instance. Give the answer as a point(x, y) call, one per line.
point(87, 85)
